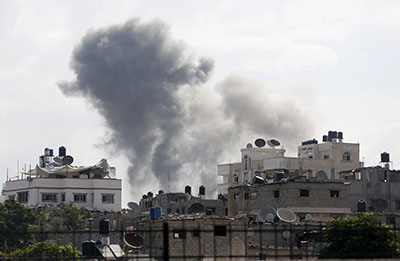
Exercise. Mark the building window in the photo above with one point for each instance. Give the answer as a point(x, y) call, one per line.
point(196, 232)
point(235, 178)
point(246, 195)
point(179, 234)
point(391, 221)
point(220, 231)
point(22, 197)
point(304, 193)
point(11, 197)
point(397, 205)
point(49, 198)
point(253, 195)
point(236, 196)
point(62, 197)
point(346, 156)
point(276, 194)
point(326, 156)
point(246, 164)
point(107, 199)
point(80, 198)
point(334, 193)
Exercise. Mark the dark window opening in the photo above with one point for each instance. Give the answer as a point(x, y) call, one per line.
point(397, 205)
point(246, 195)
point(391, 221)
point(334, 193)
point(220, 231)
point(276, 194)
point(22, 197)
point(346, 156)
point(196, 232)
point(304, 193)
point(179, 234)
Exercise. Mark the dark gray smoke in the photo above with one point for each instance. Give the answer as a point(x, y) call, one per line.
point(152, 96)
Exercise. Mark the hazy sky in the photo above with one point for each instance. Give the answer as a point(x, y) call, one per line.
point(329, 65)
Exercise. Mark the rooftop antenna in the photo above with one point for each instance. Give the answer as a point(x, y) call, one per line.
point(169, 185)
point(7, 173)
point(18, 168)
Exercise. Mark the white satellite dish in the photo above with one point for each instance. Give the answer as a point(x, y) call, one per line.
point(267, 213)
point(286, 215)
point(249, 146)
point(308, 217)
point(134, 206)
point(273, 143)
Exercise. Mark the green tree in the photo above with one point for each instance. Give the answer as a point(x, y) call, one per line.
point(360, 237)
point(15, 225)
point(45, 251)
point(67, 217)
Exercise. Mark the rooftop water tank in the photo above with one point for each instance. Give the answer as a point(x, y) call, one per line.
point(385, 157)
point(62, 151)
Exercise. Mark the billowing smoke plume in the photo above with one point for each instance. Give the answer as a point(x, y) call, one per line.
point(152, 96)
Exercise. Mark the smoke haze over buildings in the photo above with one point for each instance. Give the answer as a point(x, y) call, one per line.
point(161, 113)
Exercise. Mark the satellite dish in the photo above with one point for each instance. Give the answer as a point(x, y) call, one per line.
point(249, 146)
point(260, 143)
point(286, 215)
point(273, 143)
point(67, 160)
point(321, 175)
point(268, 213)
point(133, 240)
point(286, 234)
point(58, 160)
point(308, 217)
point(270, 218)
point(134, 206)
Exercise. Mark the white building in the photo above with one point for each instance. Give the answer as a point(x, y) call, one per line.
point(55, 181)
point(321, 160)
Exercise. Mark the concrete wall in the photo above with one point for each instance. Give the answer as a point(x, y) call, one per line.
point(94, 189)
point(245, 199)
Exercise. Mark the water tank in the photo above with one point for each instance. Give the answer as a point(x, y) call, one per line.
point(330, 136)
point(325, 138)
point(89, 248)
point(202, 190)
point(334, 134)
point(51, 152)
point(188, 190)
point(340, 135)
point(160, 192)
point(62, 151)
point(47, 152)
point(385, 157)
point(104, 226)
point(149, 194)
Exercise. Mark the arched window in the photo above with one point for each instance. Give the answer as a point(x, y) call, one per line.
point(235, 178)
point(346, 156)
